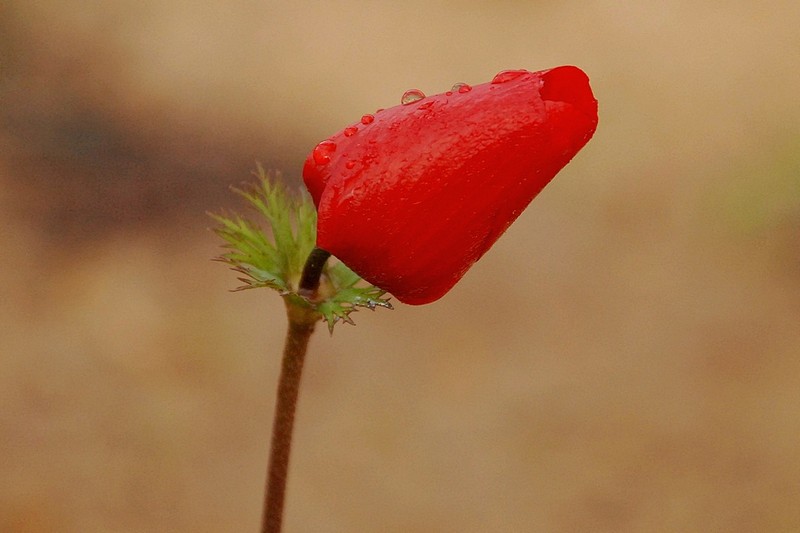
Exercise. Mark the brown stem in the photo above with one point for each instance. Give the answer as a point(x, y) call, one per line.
point(302, 320)
point(309, 281)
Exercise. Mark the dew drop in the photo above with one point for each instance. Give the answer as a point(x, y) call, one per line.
point(411, 96)
point(508, 75)
point(350, 164)
point(349, 132)
point(323, 151)
point(367, 119)
point(461, 87)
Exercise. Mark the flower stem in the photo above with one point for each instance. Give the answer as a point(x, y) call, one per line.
point(302, 320)
point(309, 281)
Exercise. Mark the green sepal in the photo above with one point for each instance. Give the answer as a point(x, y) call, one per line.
point(348, 295)
point(275, 258)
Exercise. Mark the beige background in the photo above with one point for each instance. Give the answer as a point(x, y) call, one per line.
point(627, 357)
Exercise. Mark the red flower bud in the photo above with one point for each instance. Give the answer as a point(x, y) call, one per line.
point(411, 197)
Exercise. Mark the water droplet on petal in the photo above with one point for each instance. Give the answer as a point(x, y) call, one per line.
point(350, 164)
point(508, 75)
point(461, 87)
point(349, 132)
point(323, 151)
point(411, 96)
point(367, 119)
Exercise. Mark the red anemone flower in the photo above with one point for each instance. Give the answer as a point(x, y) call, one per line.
point(411, 197)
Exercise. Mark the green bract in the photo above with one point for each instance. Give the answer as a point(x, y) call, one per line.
point(275, 258)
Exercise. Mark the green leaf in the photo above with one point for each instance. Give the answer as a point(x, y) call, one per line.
point(274, 256)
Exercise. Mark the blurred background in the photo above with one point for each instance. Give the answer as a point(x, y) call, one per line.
point(626, 358)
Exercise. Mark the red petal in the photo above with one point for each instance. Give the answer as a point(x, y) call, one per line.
point(412, 199)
